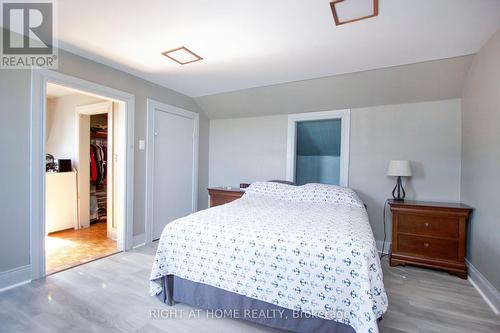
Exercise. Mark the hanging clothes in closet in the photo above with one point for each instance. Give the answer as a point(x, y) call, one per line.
point(98, 176)
point(98, 163)
point(93, 165)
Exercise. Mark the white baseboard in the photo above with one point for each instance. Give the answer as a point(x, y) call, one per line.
point(387, 246)
point(15, 277)
point(490, 294)
point(139, 240)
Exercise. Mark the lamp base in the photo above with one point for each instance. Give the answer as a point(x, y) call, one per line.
point(399, 190)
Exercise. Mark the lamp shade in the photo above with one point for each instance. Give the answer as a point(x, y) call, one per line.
point(399, 168)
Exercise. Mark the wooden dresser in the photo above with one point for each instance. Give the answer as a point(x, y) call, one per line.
point(223, 195)
point(430, 234)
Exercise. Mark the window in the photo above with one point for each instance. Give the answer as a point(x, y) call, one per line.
point(318, 147)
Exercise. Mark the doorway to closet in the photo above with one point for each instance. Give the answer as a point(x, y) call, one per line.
point(80, 178)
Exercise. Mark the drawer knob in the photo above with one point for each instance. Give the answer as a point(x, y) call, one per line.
point(426, 224)
point(426, 244)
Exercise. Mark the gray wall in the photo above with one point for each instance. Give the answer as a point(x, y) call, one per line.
point(481, 159)
point(247, 149)
point(14, 168)
point(422, 82)
point(15, 136)
point(428, 133)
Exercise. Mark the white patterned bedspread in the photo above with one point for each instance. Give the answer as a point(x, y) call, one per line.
point(306, 255)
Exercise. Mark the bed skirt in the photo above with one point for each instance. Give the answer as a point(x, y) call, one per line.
point(199, 295)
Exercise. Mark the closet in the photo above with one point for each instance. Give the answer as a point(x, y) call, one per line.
point(98, 167)
point(79, 180)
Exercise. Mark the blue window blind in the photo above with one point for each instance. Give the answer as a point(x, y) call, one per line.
point(318, 152)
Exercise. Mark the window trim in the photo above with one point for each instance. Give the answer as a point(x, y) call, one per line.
point(345, 117)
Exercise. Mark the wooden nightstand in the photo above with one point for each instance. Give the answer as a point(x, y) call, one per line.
point(430, 234)
point(223, 195)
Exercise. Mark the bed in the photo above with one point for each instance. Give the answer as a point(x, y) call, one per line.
point(299, 258)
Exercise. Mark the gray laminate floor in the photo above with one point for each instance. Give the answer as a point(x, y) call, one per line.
point(111, 295)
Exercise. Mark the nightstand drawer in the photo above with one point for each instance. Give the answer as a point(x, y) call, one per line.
point(428, 247)
point(221, 196)
point(430, 234)
point(221, 200)
point(428, 225)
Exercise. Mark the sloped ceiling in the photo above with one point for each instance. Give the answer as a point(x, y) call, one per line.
point(427, 81)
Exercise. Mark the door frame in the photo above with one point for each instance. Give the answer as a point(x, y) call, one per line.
point(105, 107)
point(39, 80)
point(345, 142)
point(152, 107)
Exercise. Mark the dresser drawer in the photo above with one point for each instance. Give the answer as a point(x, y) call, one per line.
point(428, 247)
point(428, 225)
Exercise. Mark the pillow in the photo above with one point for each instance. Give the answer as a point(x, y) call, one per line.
point(271, 190)
point(323, 193)
point(282, 182)
point(312, 192)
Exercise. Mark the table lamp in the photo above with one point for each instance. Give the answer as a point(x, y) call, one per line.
point(399, 168)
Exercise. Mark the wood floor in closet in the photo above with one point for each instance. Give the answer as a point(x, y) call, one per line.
point(69, 248)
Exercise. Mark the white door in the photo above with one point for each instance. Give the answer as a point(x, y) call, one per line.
point(173, 173)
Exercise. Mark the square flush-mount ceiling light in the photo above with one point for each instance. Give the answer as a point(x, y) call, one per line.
point(182, 55)
point(347, 11)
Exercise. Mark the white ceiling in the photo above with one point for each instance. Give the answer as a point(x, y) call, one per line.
point(263, 42)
